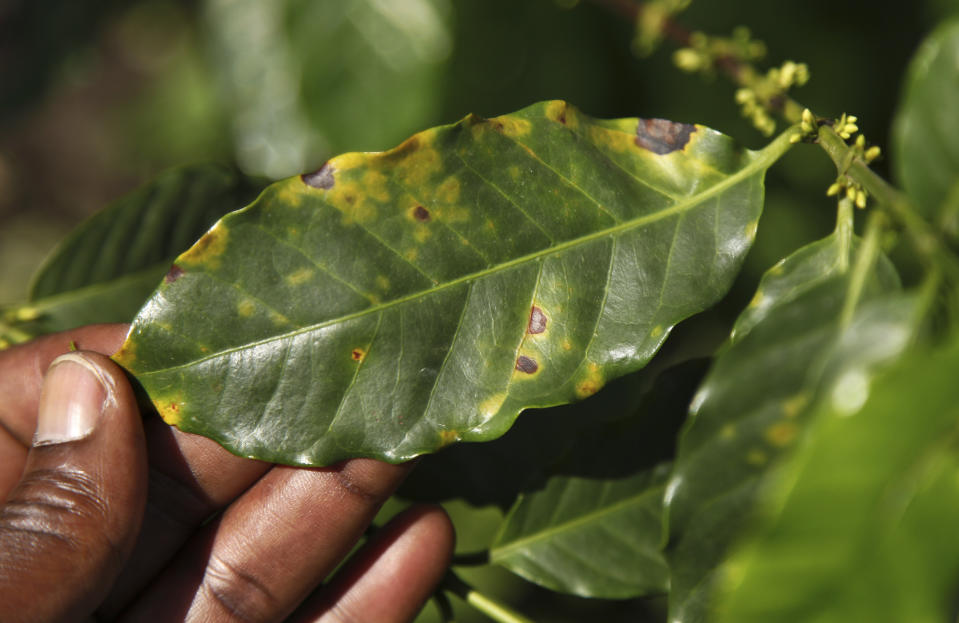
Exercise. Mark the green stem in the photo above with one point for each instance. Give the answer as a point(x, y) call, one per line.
point(927, 242)
point(444, 606)
point(471, 559)
point(865, 260)
point(485, 604)
point(844, 227)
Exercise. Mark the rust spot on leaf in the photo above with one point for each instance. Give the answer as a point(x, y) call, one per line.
point(175, 273)
point(358, 354)
point(537, 321)
point(527, 365)
point(421, 214)
point(661, 136)
point(322, 178)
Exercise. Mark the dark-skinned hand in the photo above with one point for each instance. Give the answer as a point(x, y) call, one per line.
point(107, 516)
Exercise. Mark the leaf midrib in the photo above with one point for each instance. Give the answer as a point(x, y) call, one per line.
point(762, 160)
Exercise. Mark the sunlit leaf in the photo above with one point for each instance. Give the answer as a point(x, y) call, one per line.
point(926, 152)
point(754, 402)
point(861, 524)
point(392, 303)
point(107, 267)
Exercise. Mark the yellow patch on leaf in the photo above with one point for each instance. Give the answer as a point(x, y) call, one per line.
point(300, 276)
point(208, 249)
point(592, 382)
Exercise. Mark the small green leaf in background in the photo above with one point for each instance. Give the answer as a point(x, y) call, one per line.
point(390, 304)
point(860, 525)
point(107, 267)
point(754, 402)
point(925, 150)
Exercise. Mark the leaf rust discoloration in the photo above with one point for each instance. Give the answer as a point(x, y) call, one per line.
point(537, 321)
point(174, 273)
point(358, 354)
point(421, 214)
point(662, 136)
point(526, 364)
point(322, 178)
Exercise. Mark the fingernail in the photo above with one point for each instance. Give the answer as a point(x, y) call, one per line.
point(75, 393)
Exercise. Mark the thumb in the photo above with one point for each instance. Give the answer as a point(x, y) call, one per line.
point(69, 525)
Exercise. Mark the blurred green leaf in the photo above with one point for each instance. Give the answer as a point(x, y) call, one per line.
point(390, 304)
point(861, 524)
point(925, 149)
point(307, 78)
point(108, 266)
point(754, 402)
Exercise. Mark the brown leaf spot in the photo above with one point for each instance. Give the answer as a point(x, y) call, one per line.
point(358, 354)
point(175, 273)
point(661, 136)
point(527, 365)
point(537, 321)
point(322, 178)
point(421, 214)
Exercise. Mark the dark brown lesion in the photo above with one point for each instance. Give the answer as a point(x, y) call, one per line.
point(421, 214)
point(526, 364)
point(322, 178)
point(537, 321)
point(662, 136)
point(173, 274)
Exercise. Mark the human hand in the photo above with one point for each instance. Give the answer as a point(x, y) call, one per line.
point(106, 515)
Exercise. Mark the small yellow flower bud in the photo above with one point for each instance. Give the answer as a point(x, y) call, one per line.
point(808, 117)
point(860, 141)
point(860, 199)
point(851, 193)
point(852, 119)
point(833, 190)
point(850, 128)
point(688, 60)
point(872, 153)
point(745, 95)
point(27, 314)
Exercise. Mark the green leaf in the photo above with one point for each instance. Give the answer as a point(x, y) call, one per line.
point(522, 460)
point(108, 266)
point(925, 149)
point(392, 303)
point(588, 537)
point(603, 502)
point(860, 525)
point(754, 402)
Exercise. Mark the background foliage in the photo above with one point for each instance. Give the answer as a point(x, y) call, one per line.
point(96, 101)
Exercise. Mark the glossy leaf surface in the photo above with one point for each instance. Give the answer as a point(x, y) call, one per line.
point(107, 267)
point(392, 303)
point(861, 523)
point(753, 404)
point(925, 148)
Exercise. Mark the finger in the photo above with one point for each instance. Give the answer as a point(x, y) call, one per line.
point(272, 546)
point(191, 478)
point(70, 522)
point(21, 376)
point(391, 578)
